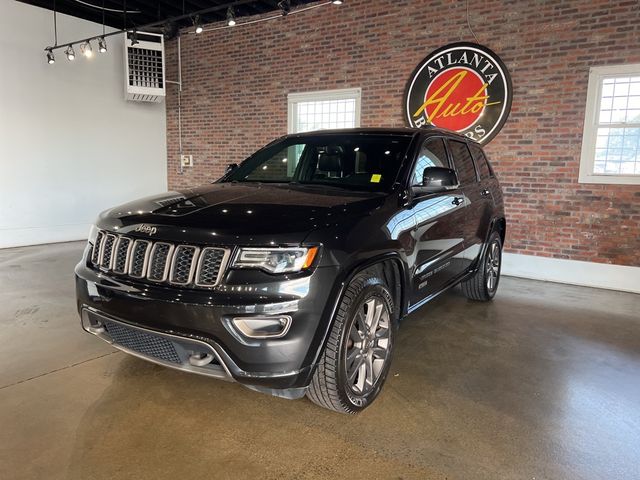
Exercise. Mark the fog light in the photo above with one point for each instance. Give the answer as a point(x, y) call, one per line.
point(262, 327)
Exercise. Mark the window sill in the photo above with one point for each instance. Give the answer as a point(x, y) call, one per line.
point(610, 179)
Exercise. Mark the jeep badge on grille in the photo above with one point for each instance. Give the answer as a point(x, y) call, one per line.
point(146, 229)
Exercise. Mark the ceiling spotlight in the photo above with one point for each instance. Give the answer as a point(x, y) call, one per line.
point(336, 2)
point(285, 6)
point(50, 57)
point(71, 54)
point(134, 38)
point(102, 45)
point(86, 49)
point(231, 17)
point(198, 24)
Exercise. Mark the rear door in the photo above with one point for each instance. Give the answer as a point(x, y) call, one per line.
point(486, 204)
point(475, 200)
point(438, 227)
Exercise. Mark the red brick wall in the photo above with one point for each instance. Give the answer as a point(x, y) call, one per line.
point(236, 83)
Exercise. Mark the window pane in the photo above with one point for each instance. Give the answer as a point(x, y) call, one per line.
point(325, 114)
point(617, 151)
point(481, 162)
point(277, 168)
point(463, 162)
point(432, 154)
point(620, 101)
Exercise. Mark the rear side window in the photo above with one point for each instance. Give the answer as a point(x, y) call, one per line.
point(481, 162)
point(463, 162)
point(432, 154)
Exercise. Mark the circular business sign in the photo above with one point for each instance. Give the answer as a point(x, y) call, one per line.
point(462, 87)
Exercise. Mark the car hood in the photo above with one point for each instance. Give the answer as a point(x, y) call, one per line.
point(233, 212)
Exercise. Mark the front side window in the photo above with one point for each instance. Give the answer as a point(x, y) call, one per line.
point(463, 162)
point(432, 154)
point(611, 135)
point(350, 161)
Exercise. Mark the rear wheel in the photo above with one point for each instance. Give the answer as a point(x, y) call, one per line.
point(357, 357)
point(483, 285)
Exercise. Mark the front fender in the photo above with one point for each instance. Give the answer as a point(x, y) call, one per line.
point(337, 292)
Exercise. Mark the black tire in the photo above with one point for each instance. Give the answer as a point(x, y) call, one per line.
point(330, 387)
point(483, 285)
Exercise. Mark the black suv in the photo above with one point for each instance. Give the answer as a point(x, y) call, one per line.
point(290, 273)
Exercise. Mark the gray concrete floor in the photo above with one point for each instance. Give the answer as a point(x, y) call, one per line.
point(541, 383)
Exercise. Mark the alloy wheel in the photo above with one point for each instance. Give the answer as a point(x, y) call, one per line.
point(493, 266)
point(368, 345)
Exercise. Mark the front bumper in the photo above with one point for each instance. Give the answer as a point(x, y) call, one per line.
point(195, 324)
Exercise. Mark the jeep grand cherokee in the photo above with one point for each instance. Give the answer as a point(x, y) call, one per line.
point(291, 273)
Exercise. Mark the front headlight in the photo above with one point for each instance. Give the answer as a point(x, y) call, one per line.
point(275, 260)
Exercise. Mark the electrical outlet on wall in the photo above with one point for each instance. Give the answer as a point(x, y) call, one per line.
point(186, 160)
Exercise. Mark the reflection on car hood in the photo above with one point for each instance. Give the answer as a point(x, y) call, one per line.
point(249, 209)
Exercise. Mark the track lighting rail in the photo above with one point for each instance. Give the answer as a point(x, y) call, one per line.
point(189, 16)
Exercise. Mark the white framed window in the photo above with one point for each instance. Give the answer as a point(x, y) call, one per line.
point(611, 136)
point(329, 109)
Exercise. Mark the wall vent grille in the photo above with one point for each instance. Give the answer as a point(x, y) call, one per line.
point(144, 68)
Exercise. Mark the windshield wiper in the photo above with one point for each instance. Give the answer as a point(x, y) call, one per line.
point(351, 188)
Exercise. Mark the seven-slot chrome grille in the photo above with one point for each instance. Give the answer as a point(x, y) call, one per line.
point(159, 262)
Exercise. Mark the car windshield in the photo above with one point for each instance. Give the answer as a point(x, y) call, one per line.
point(351, 161)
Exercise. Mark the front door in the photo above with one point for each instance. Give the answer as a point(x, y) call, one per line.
point(438, 236)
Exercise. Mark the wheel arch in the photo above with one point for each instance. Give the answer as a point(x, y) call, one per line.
point(498, 224)
point(393, 270)
point(392, 267)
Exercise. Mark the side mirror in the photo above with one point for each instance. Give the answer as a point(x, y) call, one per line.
point(230, 168)
point(439, 179)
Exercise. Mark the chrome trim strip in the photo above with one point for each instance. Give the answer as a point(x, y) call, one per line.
point(102, 252)
point(222, 374)
point(127, 257)
point(240, 330)
point(101, 249)
point(192, 268)
point(97, 247)
point(221, 270)
point(145, 262)
point(167, 262)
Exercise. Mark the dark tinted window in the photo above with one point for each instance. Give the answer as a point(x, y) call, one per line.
point(463, 162)
point(481, 162)
point(432, 154)
point(349, 161)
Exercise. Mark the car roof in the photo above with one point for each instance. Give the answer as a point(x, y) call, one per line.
point(395, 131)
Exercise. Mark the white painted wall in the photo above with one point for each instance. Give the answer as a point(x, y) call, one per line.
point(70, 145)
point(574, 272)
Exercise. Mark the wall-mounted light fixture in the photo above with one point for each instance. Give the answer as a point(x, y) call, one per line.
point(231, 17)
point(198, 24)
point(285, 7)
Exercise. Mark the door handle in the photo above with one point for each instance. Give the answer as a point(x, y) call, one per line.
point(485, 192)
point(457, 200)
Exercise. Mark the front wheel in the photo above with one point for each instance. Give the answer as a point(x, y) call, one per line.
point(483, 285)
point(357, 356)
